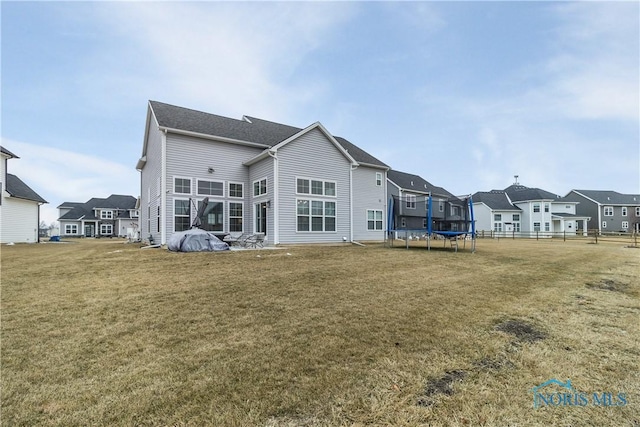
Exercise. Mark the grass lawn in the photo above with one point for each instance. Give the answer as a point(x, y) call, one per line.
point(97, 332)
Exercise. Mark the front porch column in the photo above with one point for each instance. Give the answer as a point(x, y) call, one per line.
point(585, 232)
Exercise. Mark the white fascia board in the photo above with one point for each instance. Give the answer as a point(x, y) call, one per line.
point(263, 155)
point(586, 197)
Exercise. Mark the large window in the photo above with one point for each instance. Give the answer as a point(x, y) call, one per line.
point(235, 217)
point(181, 216)
point(106, 229)
point(260, 187)
point(536, 207)
point(236, 190)
point(71, 229)
point(374, 219)
point(213, 216)
point(315, 187)
point(608, 211)
point(106, 214)
point(210, 188)
point(316, 215)
point(182, 185)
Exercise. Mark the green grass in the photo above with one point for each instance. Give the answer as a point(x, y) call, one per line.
point(104, 333)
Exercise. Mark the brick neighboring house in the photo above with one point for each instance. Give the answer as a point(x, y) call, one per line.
point(609, 210)
point(115, 216)
point(19, 206)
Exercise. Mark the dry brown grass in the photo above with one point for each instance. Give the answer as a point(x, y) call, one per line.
point(103, 333)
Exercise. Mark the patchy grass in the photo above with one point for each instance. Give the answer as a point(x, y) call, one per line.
point(104, 333)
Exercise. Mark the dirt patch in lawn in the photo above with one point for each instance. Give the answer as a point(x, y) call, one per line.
point(441, 385)
point(608, 285)
point(522, 330)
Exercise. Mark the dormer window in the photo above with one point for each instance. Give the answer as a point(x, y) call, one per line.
point(106, 214)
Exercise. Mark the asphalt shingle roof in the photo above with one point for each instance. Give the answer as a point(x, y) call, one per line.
point(612, 197)
point(85, 210)
point(408, 181)
point(496, 200)
point(252, 129)
point(17, 188)
point(519, 193)
point(8, 153)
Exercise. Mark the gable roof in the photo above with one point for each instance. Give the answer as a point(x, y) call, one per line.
point(8, 153)
point(85, 210)
point(250, 129)
point(411, 182)
point(496, 200)
point(18, 189)
point(610, 197)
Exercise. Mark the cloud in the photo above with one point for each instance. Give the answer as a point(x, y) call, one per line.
point(59, 175)
point(231, 57)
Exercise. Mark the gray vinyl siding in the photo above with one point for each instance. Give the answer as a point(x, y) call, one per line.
point(150, 177)
point(585, 207)
point(191, 157)
point(312, 156)
point(368, 196)
point(258, 171)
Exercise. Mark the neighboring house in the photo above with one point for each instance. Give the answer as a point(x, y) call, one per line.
point(529, 212)
point(410, 203)
point(115, 216)
point(19, 206)
point(294, 185)
point(608, 210)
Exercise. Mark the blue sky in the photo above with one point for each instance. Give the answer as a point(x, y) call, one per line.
point(464, 94)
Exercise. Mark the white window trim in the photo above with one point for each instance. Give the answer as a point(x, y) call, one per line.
point(324, 188)
point(607, 209)
point(229, 215)
point(410, 199)
point(210, 195)
point(311, 200)
point(71, 227)
point(378, 179)
point(173, 211)
point(106, 227)
point(638, 211)
point(604, 224)
point(625, 225)
point(375, 220)
point(497, 217)
point(241, 184)
point(173, 181)
point(624, 211)
point(103, 213)
point(266, 187)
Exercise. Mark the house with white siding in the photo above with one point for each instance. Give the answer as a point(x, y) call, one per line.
point(19, 206)
point(520, 211)
point(294, 185)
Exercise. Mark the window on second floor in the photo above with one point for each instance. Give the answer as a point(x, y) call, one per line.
point(210, 188)
point(260, 187)
point(182, 185)
point(624, 211)
point(516, 217)
point(497, 217)
point(106, 214)
point(536, 207)
point(638, 211)
point(411, 201)
point(378, 179)
point(608, 211)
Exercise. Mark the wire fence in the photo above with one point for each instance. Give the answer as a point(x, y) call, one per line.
point(595, 236)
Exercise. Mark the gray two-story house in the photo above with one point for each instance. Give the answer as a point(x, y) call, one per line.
point(291, 184)
point(609, 210)
point(114, 216)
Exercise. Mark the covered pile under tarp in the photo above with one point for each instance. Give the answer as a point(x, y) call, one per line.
point(196, 240)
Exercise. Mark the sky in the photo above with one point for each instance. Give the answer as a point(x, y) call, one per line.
point(464, 94)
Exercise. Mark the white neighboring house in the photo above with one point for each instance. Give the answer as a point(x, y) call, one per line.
point(526, 212)
point(293, 185)
point(19, 206)
point(115, 216)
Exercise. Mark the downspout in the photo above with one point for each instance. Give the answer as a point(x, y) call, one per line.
point(351, 169)
point(163, 189)
point(38, 227)
point(274, 205)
